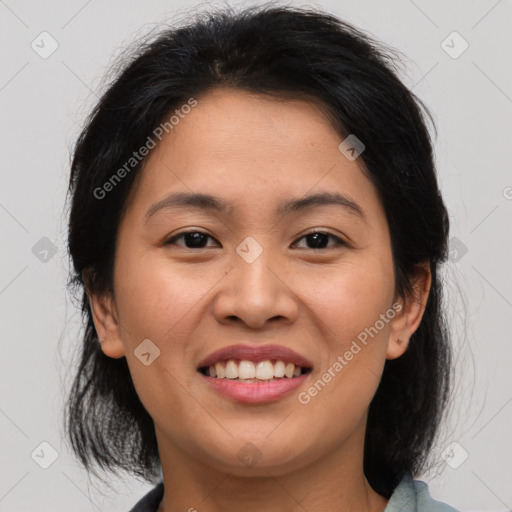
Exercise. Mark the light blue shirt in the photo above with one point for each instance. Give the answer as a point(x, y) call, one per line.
point(413, 496)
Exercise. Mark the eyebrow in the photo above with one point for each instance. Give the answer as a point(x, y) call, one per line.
point(208, 202)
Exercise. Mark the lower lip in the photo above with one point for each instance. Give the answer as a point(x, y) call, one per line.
point(256, 392)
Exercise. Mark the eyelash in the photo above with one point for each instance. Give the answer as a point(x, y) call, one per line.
point(172, 240)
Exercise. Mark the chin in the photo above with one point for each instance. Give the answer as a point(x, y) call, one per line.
point(256, 457)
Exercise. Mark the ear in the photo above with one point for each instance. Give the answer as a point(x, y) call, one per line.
point(105, 320)
point(410, 312)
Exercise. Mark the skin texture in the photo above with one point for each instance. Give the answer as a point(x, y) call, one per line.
point(253, 151)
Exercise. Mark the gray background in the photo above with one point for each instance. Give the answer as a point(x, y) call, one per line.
point(44, 102)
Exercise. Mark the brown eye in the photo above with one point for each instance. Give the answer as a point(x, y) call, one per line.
point(192, 239)
point(319, 239)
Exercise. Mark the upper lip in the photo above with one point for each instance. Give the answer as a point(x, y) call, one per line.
point(256, 353)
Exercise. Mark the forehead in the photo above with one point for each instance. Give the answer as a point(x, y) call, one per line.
point(251, 151)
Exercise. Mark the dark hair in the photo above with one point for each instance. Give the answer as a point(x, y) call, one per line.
point(285, 52)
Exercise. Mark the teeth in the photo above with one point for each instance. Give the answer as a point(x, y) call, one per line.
point(264, 370)
point(247, 370)
point(231, 370)
point(220, 370)
point(279, 369)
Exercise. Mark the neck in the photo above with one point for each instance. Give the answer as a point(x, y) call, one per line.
point(335, 481)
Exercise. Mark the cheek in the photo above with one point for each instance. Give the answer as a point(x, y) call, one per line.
point(159, 301)
point(347, 308)
point(349, 298)
point(154, 297)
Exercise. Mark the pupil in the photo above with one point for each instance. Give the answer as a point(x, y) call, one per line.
point(195, 239)
point(317, 244)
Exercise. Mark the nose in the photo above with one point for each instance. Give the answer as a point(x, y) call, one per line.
point(256, 293)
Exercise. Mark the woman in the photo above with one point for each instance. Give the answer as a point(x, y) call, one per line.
point(256, 229)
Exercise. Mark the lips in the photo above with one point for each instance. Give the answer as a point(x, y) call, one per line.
point(256, 354)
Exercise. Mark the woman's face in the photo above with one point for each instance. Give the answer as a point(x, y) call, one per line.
point(255, 276)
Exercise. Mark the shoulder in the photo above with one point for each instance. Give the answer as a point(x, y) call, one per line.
point(151, 501)
point(413, 496)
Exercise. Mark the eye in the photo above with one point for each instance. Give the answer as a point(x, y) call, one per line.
point(196, 239)
point(318, 239)
point(193, 239)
